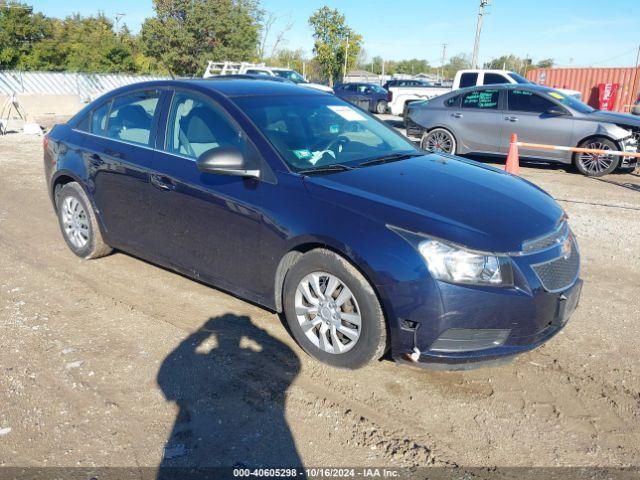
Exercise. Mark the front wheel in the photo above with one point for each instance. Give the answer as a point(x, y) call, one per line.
point(595, 164)
point(438, 140)
point(333, 312)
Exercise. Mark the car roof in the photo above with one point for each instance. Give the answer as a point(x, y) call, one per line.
point(505, 86)
point(229, 86)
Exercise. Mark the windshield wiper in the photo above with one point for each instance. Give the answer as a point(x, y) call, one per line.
point(326, 169)
point(389, 158)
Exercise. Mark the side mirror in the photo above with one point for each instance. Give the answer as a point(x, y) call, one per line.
point(556, 111)
point(225, 161)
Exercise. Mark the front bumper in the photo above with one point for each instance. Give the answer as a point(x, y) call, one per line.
point(447, 325)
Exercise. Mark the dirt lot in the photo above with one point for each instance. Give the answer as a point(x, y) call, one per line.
point(116, 362)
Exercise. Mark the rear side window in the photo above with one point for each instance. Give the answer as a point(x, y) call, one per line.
point(131, 117)
point(526, 101)
point(468, 79)
point(195, 126)
point(481, 99)
point(453, 101)
point(494, 79)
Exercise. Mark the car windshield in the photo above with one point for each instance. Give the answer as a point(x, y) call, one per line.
point(290, 75)
point(570, 102)
point(312, 132)
point(519, 78)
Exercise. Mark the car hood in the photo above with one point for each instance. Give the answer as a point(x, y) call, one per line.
point(615, 117)
point(447, 197)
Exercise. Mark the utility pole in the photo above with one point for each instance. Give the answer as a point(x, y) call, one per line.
point(118, 17)
point(444, 54)
point(346, 56)
point(476, 45)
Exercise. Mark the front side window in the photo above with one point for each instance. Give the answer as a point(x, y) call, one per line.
point(195, 125)
point(481, 99)
point(468, 79)
point(494, 79)
point(131, 117)
point(312, 131)
point(526, 101)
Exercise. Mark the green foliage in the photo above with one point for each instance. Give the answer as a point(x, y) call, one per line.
point(20, 29)
point(517, 64)
point(457, 62)
point(185, 34)
point(332, 36)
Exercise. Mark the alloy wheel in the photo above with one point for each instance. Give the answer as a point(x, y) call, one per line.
point(328, 312)
point(75, 222)
point(595, 163)
point(438, 141)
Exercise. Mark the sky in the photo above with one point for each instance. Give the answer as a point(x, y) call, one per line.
point(575, 33)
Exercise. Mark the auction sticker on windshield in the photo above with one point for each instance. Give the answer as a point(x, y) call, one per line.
point(346, 112)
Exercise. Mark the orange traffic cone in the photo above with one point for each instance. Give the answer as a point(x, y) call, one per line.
point(513, 163)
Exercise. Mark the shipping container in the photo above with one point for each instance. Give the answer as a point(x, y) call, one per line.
point(586, 80)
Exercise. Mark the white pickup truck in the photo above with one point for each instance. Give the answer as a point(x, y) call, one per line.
point(400, 97)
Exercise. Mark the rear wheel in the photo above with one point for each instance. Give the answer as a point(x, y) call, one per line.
point(333, 312)
point(438, 140)
point(78, 223)
point(381, 107)
point(595, 164)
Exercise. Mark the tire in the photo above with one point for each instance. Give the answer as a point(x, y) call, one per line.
point(381, 107)
point(78, 223)
point(364, 343)
point(439, 140)
point(593, 165)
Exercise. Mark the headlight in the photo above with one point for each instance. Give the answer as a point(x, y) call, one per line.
point(456, 264)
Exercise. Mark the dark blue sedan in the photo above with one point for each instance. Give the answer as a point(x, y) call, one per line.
point(298, 201)
point(368, 96)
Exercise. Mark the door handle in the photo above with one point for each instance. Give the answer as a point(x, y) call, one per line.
point(456, 115)
point(511, 119)
point(161, 182)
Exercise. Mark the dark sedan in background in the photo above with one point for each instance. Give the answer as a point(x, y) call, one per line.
point(481, 120)
point(298, 201)
point(368, 96)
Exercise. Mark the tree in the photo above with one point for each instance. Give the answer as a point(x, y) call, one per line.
point(545, 63)
point(185, 34)
point(20, 30)
point(267, 26)
point(457, 62)
point(334, 40)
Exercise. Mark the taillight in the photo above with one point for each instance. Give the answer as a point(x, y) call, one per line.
point(45, 142)
point(389, 96)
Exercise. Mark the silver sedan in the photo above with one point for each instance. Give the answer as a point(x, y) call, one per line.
point(480, 120)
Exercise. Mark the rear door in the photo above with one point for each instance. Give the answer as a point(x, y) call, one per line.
point(526, 116)
point(118, 155)
point(477, 123)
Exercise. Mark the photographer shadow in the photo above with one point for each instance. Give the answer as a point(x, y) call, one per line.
point(229, 380)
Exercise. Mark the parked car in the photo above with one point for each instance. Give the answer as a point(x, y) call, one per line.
point(410, 82)
point(369, 96)
point(245, 68)
point(482, 119)
point(299, 202)
point(400, 98)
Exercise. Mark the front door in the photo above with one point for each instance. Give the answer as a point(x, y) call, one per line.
point(206, 225)
point(526, 115)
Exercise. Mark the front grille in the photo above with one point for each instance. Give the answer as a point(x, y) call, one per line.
point(559, 273)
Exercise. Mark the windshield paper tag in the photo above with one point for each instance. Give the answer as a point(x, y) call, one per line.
point(303, 154)
point(556, 95)
point(347, 113)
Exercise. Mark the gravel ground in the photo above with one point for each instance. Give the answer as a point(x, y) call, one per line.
point(116, 362)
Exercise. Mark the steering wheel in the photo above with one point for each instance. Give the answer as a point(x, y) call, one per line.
point(337, 144)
